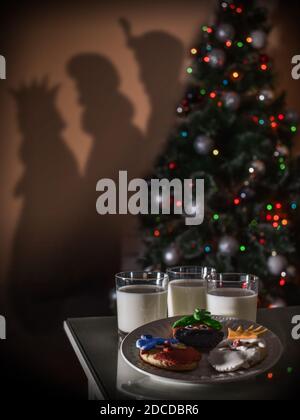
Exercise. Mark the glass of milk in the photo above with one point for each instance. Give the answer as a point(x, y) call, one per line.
point(233, 295)
point(187, 289)
point(141, 298)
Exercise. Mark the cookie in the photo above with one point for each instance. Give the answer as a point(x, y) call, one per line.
point(175, 359)
point(168, 353)
point(234, 355)
point(199, 336)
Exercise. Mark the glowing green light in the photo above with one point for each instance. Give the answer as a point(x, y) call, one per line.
point(293, 129)
point(294, 206)
point(189, 70)
point(204, 28)
point(261, 122)
point(184, 134)
point(269, 207)
point(281, 160)
point(216, 217)
point(203, 92)
point(283, 167)
point(240, 44)
point(243, 248)
point(289, 370)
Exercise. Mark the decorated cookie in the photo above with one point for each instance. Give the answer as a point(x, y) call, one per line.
point(147, 342)
point(242, 350)
point(199, 330)
point(168, 354)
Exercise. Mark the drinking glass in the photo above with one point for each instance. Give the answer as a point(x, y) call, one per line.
point(233, 295)
point(141, 298)
point(187, 289)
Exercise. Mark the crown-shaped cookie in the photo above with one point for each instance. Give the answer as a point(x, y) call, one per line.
point(249, 333)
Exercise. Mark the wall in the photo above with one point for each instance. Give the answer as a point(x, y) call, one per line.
point(86, 96)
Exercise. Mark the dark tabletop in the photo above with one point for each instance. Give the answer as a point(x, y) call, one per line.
point(96, 343)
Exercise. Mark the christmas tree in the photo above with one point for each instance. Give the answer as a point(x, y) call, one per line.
point(235, 132)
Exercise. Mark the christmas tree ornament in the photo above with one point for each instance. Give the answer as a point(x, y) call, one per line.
point(282, 150)
point(266, 96)
point(217, 58)
point(228, 246)
point(258, 39)
point(247, 193)
point(225, 32)
point(171, 255)
point(203, 144)
point(277, 264)
point(292, 116)
point(291, 271)
point(257, 168)
point(231, 100)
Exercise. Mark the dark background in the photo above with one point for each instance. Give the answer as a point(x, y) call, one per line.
point(83, 99)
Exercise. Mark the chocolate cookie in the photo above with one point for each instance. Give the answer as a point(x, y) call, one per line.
point(199, 336)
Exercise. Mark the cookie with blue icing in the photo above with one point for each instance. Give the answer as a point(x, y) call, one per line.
point(147, 342)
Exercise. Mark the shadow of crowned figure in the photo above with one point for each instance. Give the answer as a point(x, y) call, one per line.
point(43, 269)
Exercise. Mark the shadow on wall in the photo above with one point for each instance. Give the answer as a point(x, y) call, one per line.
point(64, 254)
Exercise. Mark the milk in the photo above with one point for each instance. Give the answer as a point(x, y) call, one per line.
point(138, 305)
point(185, 296)
point(232, 302)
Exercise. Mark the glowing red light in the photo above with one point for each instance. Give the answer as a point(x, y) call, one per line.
point(172, 165)
point(272, 118)
point(278, 206)
point(275, 225)
point(232, 6)
point(255, 119)
point(157, 233)
point(209, 30)
point(276, 218)
point(281, 117)
point(264, 67)
point(237, 201)
point(228, 44)
point(282, 283)
point(269, 217)
point(270, 376)
point(239, 10)
point(220, 104)
point(206, 59)
point(262, 241)
point(274, 124)
point(213, 95)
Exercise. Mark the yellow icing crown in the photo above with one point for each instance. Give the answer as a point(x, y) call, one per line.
point(250, 333)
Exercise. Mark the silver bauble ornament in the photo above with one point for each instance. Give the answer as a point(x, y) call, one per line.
point(282, 150)
point(217, 58)
point(228, 246)
point(258, 39)
point(231, 100)
point(225, 32)
point(203, 144)
point(257, 168)
point(266, 96)
point(192, 209)
point(292, 116)
point(291, 271)
point(277, 264)
point(171, 255)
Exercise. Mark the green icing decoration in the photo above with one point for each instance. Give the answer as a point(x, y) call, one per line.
point(199, 317)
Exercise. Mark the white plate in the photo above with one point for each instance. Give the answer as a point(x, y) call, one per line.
point(204, 374)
